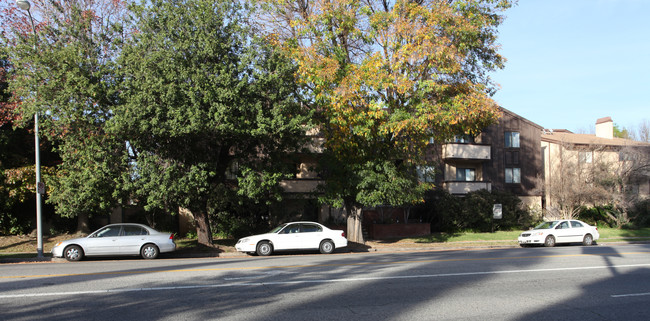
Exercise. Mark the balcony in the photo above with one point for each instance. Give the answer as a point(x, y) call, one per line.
point(315, 145)
point(466, 187)
point(300, 185)
point(466, 151)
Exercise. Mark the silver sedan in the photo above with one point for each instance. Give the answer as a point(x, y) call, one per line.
point(117, 239)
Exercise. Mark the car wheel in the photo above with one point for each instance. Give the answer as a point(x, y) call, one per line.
point(326, 247)
point(73, 253)
point(550, 241)
point(264, 248)
point(149, 251)
point(588, 240)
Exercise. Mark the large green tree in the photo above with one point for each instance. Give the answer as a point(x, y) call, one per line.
point(17, 175)
point(385, 76)
point(6, 110)
point(64, 72)
point(9, 158)
point(14, 157)
point(205, 100)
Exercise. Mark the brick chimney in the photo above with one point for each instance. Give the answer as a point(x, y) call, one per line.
point(605, 127)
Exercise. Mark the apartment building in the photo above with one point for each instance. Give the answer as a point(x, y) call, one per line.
point(586, 169)
point(513, 155)
point(505, 156)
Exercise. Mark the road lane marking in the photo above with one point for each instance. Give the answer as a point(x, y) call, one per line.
point(629, 295)
point(321, 281)
point(259, 275)
point(316, 265)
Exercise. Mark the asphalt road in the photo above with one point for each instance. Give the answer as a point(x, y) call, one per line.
point(561, 283)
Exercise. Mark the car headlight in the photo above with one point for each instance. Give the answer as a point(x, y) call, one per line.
point(537, 233)
point(244, 240)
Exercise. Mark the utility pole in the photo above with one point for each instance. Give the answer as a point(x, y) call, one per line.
point(40, 187)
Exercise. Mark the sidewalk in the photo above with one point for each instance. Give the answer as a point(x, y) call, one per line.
point(368, 247)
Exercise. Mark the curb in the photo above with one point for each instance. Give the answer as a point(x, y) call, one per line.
point(356, 248)
point(371, 247)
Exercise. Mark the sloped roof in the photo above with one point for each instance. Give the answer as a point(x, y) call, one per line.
point(504, 110)
point(566, 137)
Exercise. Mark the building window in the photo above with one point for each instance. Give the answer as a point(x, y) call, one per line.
point(232, 170)
point(511, 157)
point(586, 157)
point(626, 156)
point(465, 174)
point(512, 139)
point(426, 174)
point(463, 139)
point(513, 175)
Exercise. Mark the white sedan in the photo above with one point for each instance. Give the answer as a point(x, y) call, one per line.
point(294, 236)
point(562, 231)
point(117, 239)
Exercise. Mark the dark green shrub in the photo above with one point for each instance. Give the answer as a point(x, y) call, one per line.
point(474, 211)
point(17, 218)
point(442, 210)
point(605, 215)
point(640, 214)
point(240, 216)
point(10, 225)
point(480, 205)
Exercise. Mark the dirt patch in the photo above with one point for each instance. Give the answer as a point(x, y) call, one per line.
point(27, 243)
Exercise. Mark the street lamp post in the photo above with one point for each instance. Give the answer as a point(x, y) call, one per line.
point(25, 5)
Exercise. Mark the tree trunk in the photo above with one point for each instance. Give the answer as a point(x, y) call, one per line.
point(355, 230)
point(82, 223)
point(203, 231)
point(407, 213)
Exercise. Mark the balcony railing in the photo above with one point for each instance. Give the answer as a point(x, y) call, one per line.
point(466, 151)
point(300, 185)
point(315, 145)
point(466, 187)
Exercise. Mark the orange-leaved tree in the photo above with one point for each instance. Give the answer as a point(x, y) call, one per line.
point(385, 77)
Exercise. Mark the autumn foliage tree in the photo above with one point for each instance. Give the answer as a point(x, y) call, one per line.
point(6, 108)
point(386, 76)
point(64, 73)
point(199, 93)
point(10, 162)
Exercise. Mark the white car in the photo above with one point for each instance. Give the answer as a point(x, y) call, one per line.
point(294, 236)
point(117, 239)
point(561, 231)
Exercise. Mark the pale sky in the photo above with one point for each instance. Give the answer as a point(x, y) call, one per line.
point(571, 62)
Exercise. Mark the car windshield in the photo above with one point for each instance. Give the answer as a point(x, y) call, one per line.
point(275, 230)
point(546, 225)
